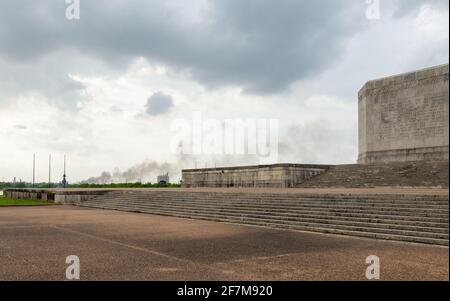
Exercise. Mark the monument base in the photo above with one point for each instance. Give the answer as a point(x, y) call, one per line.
point(440, 153)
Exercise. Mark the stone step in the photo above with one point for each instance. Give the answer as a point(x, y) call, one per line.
point(410, 235)
point(350, 205)
point(444, 200)
point(342, 212)
point(330, 220)
point(173, 209)
point(410, 218)
point(346, 216)
point(386, 211)
point(397, 174)
point(280, 202)
point(290, 213)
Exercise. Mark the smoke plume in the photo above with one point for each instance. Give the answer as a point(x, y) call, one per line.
point(144, 172)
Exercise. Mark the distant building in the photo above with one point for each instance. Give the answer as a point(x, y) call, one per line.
point(163, 179)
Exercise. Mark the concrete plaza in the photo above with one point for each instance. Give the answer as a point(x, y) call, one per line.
point(111, 245)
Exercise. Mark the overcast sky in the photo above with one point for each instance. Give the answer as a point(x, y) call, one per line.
point(105, 88)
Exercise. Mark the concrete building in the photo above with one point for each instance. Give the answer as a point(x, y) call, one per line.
point(163, 179)
point(278, 175)
point(405, 117)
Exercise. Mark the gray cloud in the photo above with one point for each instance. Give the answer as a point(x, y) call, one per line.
point(262, 46)
point(20, 127)
point(158, 104)
point(64, 132)
point(48, 76)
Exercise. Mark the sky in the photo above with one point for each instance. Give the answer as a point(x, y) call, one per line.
point(109, 82)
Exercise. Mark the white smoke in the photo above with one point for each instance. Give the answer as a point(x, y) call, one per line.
point(143, 172)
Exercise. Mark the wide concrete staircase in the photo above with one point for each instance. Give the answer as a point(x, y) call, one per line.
point(396, 174)
point(421, 219)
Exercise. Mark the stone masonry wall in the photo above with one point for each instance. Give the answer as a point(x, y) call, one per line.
point(279, 175)
point(405, 117)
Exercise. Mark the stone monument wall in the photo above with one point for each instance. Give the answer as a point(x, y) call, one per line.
point(405, 117)
point(278, 175)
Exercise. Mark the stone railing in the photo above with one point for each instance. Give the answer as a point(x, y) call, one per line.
point(59, 196)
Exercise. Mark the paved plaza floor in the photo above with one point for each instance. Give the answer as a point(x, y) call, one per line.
point(112, 245)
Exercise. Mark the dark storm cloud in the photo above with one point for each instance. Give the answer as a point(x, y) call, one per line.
point(260, 45)
point(49, 76)
point(158, 104)
point(264, 46)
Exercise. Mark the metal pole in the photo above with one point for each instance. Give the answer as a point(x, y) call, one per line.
point(34, 168)
point(64, 176)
